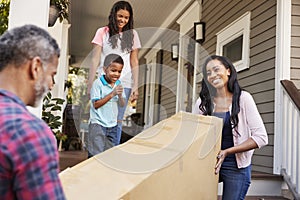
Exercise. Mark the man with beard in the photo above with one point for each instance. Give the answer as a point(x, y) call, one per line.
point(28, 150)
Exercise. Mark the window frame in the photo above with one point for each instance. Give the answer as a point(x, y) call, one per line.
point(240, 26)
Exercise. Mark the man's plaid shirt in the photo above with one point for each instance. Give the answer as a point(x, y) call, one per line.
point(28, 153)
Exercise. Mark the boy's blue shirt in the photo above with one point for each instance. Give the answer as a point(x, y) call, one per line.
point(107, 114)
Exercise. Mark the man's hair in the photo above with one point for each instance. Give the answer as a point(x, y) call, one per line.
point(24, 43)
point(113, 58)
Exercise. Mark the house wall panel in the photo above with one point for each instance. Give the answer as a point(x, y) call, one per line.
point(266, 151)
point(219, 14)
point(167, 98)
point(262, 37)
point(261, 87)
point(295, 73)
point(265, 167)
point(223, 12)
point(295, 43)
point(261, 97)
point(266, 107)
point(270, 131)
point(263, 6)
point(295, 62)
point(169, 75)
point(295, 9)
point(295, 31)
point(267, 117)
point(252, 79)
point(257, 68)
point(295, 52)
point(271, 138)
point(296, 20)
point(297, 84)
point(265, 20)
point(267, 160)
point(142, 72)
point(263, 56)
point(264, 44)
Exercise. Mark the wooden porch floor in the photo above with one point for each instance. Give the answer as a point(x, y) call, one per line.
point(71, 158)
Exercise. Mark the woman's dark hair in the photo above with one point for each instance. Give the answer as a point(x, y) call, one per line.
point(127, 36)
point(208, 92)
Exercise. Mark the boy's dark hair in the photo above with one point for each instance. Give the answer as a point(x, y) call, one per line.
point(113, 58)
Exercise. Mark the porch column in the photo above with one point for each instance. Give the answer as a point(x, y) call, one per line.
point(29, 12)
point(60, 32)
point(282, 71)
point(37, 12)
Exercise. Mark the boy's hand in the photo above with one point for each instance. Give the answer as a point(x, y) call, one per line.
point(118, 90)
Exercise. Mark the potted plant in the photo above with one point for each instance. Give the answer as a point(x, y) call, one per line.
point(61, 137)
point(49, 115)
point(58, 9)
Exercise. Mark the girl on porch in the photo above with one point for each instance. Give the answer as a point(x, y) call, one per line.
point(243, 129)
point(120, 38)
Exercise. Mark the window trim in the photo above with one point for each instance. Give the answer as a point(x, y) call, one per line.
point(240, 26)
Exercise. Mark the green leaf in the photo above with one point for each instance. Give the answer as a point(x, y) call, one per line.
point(58, 100)
point(55, 108)
point(56, 118)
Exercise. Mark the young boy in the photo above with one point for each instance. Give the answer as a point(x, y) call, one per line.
point(106, 94)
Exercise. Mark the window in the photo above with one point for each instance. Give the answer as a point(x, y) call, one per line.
point(233, 42)
point(233, 50)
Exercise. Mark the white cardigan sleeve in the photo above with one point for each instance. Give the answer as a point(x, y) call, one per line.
point(196, 109)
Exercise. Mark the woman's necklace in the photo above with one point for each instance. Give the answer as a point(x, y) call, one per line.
point(222, 104)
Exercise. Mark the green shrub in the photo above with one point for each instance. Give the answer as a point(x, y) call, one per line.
point(4, 12)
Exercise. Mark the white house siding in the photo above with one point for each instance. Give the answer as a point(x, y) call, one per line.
point(259, 78)
point(295, 43)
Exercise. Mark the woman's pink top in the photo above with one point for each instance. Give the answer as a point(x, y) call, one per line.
point(250, 126)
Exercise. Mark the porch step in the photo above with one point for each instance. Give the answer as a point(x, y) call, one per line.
point(261, 198)
point(263, 186)
point(265, 198)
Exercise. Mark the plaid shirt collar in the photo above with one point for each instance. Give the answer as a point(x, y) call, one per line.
point(12, 96)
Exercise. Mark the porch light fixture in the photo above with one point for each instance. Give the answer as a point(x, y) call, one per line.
point(199, 32)
point(174, 51)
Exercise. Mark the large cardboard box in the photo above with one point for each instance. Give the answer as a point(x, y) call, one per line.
point(174, 159)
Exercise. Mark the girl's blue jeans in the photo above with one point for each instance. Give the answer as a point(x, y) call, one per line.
point(235, 181)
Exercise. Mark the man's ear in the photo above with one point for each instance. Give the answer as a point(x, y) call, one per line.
point(36, 68)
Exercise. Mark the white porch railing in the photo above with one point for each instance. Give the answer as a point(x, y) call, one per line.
point(291, 141)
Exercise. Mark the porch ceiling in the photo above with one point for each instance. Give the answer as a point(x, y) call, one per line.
point(88, 15)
